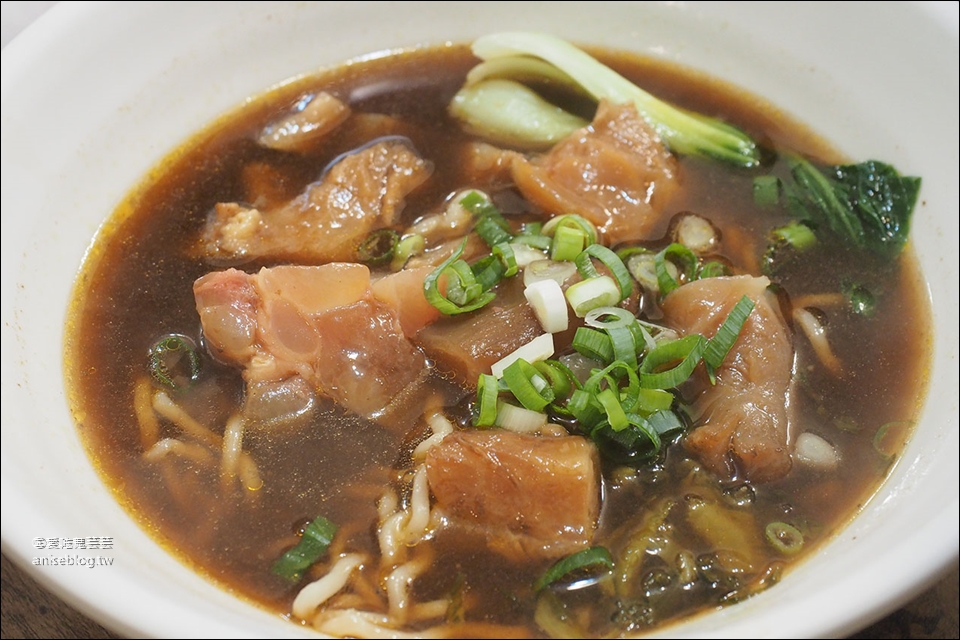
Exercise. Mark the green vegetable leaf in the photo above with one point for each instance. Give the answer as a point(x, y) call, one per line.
point(316, 538)
point(868, 204)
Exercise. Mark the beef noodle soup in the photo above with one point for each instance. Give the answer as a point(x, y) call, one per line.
point(374, 364)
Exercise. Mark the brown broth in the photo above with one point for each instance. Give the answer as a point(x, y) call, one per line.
point(137, 286)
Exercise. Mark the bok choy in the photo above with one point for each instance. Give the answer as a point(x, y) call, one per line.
point(486, 103)
point(868, 205)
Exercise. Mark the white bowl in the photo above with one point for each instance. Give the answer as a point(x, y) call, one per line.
point(95, 94)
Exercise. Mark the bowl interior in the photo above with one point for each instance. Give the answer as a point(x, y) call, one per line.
point(94, 96)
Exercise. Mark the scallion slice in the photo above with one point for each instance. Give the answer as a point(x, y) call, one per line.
point(488, 389)
point(624, 345)
point(592, 559)
point(458, 299)
point(408, 247)
point(785, 538)
point(316, 538)
point(610, 401)
point(571, 220)
point(519, 419)
point(685, 260)
point(528, 385)
point(593, 343)
point(487, 271)
point(651, 401)
point(687, 351)
point(567, 243)
point(611, 261)
point(378, 247)
point(586, 295)
point(609, 318)
point(720, 344)
point(173, 362)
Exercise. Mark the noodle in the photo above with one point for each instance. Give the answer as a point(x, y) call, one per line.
point(146, 418)
point(167, 446)
point(175, 414)
point(232, 448)
point(818, 339)
point(319, 591)
point(398, 586)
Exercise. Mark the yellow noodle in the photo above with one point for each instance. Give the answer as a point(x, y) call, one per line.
point(429, 610)
point(316, 593)
point(416, 526)
point(232, 448)
point(441, 426)
point(146, 418)
point(390, 538)
point(172, 412)
point(819, 300)
point(249, 474)
point(167, 446)
point(818, 339)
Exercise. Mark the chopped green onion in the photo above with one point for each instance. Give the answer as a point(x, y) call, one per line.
point(642, 266)
point(584, 407)
point(653, 400)
point(624, 345)
point(712, 269)
point(478, 204)
point(593, 344)
point(316, 538)
point(567, 243)
point(462, 284)
point(594, 558)
point(504, 253)
point(665, 422)
point(586, 295)
point(490, 225)
point(528, 385)
point(488, 389)
point(571, 220)
point(719, 345)
point(173, 362)
point(378, 247)
point(635, 445)
point(561, 379)
point(616, 416)
point(546, 299)
point(785, 538)
point(487, 271)
point(766, 190)
point(610, 260)
point(526, 254)
point(540, 348)
point(519, 419)
point(687, 351)
point(493, 230)
point(682, 258)
point(462, 296)
point(409, 246)
point(597, 318)
point(548, 269)
point(609, 375)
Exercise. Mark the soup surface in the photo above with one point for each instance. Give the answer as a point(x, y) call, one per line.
point(327, 402)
